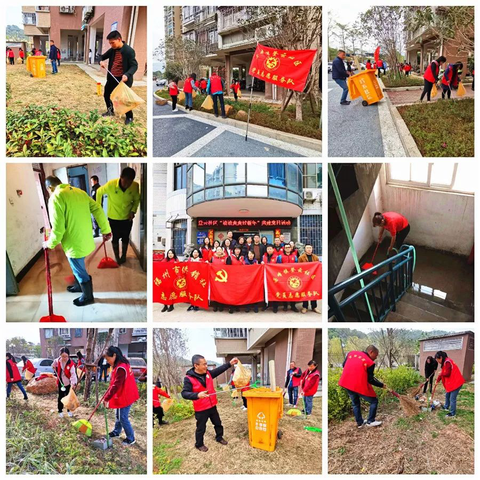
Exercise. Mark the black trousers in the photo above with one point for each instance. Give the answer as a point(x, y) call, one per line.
point(109, 88)
point(61, 395)
point(313, 304)
point(427, 89)
point(218, 97)
point(430, 381)
point(158, 412)
point(401, 236)
point(244, 401)
point(202, 419)
point(446, 90)
point(120, 230)
point(235, 96)
point(174, 101)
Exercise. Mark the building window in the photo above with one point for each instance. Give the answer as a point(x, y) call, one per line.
point(452, 177)
point(198, 177)
point(78, 333)
point(276, 174)
point(234, 173)
point(29, 19)
point(312, 175)
point(311, 232)
point(63, 331)
point(180, 180)
point(179, 236)
point(48, 332)
point(122, 331)
point(213, 174)
point(257, 173)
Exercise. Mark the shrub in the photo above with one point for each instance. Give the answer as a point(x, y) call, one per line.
point(402, 81)
point(59, 132)
point(180, 410)
point(399, 379)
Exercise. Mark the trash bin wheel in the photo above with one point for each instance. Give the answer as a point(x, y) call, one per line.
point(279, 434)
point(365, 103)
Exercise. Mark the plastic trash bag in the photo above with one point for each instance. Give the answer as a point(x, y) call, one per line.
point(241, 376)
point(167, 403)
point(194, 93)
point(28, 375)
point(207, 103)
point(239, 93)
point(434, 91)
point(71, 402)
point(124, 99)
point(461, 90)
point(181, 97)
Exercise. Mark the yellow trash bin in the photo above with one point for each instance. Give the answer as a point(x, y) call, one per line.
point(265, 408)
point(365, 85)
point(36, 66)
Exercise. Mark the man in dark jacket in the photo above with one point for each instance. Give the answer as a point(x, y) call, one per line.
point(294, 374)
point(340, 75)
point(53, 57)
point(95, 184)
point(122, 65)
point(199, 388)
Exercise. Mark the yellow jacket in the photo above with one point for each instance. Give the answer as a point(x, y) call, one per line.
point(120, 203)
point(70, 214)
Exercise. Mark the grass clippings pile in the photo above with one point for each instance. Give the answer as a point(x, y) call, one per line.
point(297, 452)
point(39, 442)
point(406, 444)
point(445, 128)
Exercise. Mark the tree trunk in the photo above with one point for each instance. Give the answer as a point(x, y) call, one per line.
point(286, 101)
point(298, 107)
point(89, 349)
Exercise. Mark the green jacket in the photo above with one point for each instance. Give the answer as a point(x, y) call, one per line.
point(70, 214)
point(120, 203)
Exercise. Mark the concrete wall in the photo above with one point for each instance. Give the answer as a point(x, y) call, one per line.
point(64, 21)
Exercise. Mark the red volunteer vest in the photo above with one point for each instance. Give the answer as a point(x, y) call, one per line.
point(296, 380)
point(128, 392)
point(355, 377)
point(156, 396)
point(236, 261)
point(187, 88)
point(67, 370)
point(218, 261)
point(173, 90)
point(16, 374)
point(455, 379)
point(203, 403)
point(29, 366)
point(215, 84)
point(428, 75)
point(206, 253)
point(289, 258)
point(310, 381)
point(272, 260)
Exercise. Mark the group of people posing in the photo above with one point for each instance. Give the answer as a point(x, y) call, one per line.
point(249, 251)
point(213, 86)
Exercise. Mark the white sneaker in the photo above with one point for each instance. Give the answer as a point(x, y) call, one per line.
point(176, 110)
point(244, 408)
point(362, 425)
point(304, 310)
point(317, 310)
point(70, 414)
point(60, 414)
point(374, 424)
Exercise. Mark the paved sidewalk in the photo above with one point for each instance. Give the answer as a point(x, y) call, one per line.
point(405, 97)
point(99, 74)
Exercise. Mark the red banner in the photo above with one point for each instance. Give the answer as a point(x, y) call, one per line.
point(285, 68)
point(376, 55)
point(236, 284)
point(294, 282)
point(180, 282)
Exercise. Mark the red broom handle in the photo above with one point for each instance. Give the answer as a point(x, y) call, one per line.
point(375, 252)
point(98, 404)
point(105, 248)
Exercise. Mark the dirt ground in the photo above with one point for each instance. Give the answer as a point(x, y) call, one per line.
point(426, 443)
point(70, 88)
point(298, 452)
point(133, 459)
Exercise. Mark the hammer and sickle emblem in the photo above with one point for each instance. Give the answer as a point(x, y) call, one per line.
point(272, 63)
point(221, 276)
point(180, 283)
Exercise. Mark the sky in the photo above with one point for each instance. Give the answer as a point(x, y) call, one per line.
point(29, 334)
point(158, 35)
point(424, 327)
point(14, 16)
point(200, 340)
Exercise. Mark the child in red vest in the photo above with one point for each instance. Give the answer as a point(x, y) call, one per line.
point(14, 377)
point(452, 380)
point(309, 383)
point(173, 91)
point(121, 394)
point(157, 405)
point(64, 369)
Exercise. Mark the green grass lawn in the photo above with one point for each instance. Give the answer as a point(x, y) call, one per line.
point(402, 81)
point(268, 115)
point(442, 128)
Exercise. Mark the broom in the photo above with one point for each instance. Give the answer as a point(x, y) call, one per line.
point(367, 265)
point(84, 426)
point(408, 405)
point(51, 317)
point(106, 261)
point(417, 391)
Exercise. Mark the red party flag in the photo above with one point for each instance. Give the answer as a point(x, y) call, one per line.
point(285, 68)
point(376, 55)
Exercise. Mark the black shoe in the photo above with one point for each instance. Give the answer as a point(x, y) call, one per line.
point(216, 115)
point(113, 434)
point(215, 309)
point(123, 258)
point(190, 308)
point(25, 398)
point(75, 288)
point(196, 309)
point(163, 422)
point(128, 121)
point(116, 252)
point(247, 310)
point(165, 308)
point(170, 308)
point(224, 116)
point(87, 294)
point(295, 309)
point(108, 113)
point(220, 309)
point(128, 443)
point(230, 310)
point(255, 309)
point(285, 308)
point(275, 309)
point(346, 102)
point(265, 308)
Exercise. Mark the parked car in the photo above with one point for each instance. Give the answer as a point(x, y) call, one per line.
point(139, 368)
point(43, 365)
point(161, 83)
point(329, 70)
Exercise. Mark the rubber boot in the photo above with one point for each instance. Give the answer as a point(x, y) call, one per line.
point(116, 252)
point(123, 258)
point(75, 288)
point(87, 296)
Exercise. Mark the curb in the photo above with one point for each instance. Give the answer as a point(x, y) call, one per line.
point(291, 138)
point(402, 89)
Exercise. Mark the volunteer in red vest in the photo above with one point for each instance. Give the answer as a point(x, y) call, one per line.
point(203, 86)
point(157, 404)
point(292, 382)
point(431, 76)
point(172, 258)
point(65, 370)
point(452, 380)
point(368, 65)
point(288, 257)
point(121, 394)
point(14, 377)
point(270, 256)
point(28, 365)
point(188, 89)
point(357, 379)
point(206, 250)
point(397, 225)
point(173, 92)
point(241, 390)
point(309, 385)
point(198, 386)
point(215, 88)
point(380, 68)
point(235, 86)
point(236, 258)
point(451, 79)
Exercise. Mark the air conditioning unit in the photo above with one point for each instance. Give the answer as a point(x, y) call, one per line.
point(309, 196)
point(67, 9)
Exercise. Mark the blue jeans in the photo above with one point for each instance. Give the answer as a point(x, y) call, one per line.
point(19, 385)
point(188, 100)
point(343, 85)
point(54, 66)
point(218, 96)
point(79, 269)
point(308, 401)
point(292, 395)
point(357, 411)
point(451, 400)
point(122, 421)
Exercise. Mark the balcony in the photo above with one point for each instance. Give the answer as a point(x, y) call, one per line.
point(231, 21)
point(139, 332)
point(258, 337)
point(230, 333)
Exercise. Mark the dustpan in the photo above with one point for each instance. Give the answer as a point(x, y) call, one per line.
point(106, 261)
point(369, 265)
